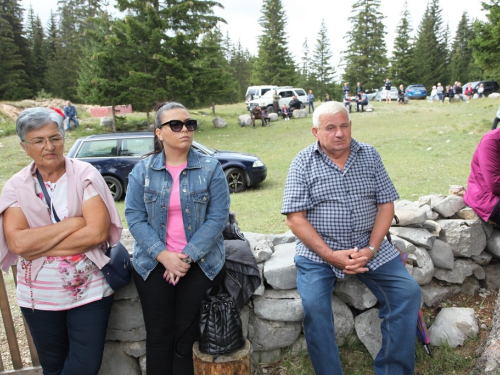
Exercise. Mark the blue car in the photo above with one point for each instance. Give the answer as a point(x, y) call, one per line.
point(416, 92)
point(115, 154)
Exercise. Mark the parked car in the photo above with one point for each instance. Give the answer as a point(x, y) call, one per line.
point(489, 86)
point(416, 92)
point(380, 95)
point(371, 94)
point(255, 92)
point(286, 93)
point(114, 155)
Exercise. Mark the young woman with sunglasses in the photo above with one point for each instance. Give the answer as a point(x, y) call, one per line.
point(176, 206)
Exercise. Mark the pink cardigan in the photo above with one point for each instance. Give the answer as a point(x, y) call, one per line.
point(21, 188)
point(483, 186)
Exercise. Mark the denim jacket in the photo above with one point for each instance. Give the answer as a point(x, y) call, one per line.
point(205, 207)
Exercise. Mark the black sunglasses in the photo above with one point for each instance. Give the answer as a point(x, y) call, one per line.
point(177, 125)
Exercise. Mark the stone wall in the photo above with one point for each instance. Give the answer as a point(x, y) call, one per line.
point(449, 250)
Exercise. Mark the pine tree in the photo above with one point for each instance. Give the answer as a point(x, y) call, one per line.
point(486, 44)
point(241, 64)
point(12, 13)
point(101, 80)
point(366, 56)
point(36, 36)
point(402, 60)
point(461, 63)
point(214, 81)
point(274, 63)
point(322, 71)
point(430, 51)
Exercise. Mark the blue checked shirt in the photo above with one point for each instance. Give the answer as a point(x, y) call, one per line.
point(340, 205)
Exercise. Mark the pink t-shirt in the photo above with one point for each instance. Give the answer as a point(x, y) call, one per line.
point(176, 237)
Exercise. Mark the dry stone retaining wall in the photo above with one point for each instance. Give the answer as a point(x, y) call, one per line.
point(449, 250)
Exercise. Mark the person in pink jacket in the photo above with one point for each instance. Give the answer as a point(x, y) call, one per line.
point(483, 186)
point(56, 217)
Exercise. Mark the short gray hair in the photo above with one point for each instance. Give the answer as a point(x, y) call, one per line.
point(329, 108)
point(34, 118)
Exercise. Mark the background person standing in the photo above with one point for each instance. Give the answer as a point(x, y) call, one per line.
point(310, 100)
point(388, 86)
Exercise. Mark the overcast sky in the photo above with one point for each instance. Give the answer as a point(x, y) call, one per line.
point(304, 19)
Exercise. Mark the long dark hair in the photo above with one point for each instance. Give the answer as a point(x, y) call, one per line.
point(160, 108)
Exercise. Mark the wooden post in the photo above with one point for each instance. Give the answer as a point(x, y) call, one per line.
point(237, 363)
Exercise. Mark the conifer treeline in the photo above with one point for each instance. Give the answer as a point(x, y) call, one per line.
point(174, 50)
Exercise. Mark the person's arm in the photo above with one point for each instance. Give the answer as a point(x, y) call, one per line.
point(342, 259)
point(487, 153)
point(68, 237)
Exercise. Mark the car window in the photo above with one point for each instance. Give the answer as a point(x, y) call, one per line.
point(136, 147)
point(286, 94)
point(264, 91)
point(97, 149)
point(300, 92)
point(251, 92)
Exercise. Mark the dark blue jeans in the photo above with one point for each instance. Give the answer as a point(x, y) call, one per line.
point(70, 342)
point(171, 318)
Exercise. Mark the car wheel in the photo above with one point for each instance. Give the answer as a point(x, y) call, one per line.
point(115, 187)
point(302, 106)
point(235, 178)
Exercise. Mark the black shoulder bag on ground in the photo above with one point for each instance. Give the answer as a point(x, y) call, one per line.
point(220, 324)
point(118, 271)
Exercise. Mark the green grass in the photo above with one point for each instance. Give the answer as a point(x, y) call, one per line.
point(425, 148)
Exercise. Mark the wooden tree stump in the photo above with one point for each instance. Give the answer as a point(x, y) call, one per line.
point(237, 363)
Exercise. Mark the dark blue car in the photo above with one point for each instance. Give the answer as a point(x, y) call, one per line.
point(115, 154)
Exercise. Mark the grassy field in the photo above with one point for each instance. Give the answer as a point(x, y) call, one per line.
point(425, 147)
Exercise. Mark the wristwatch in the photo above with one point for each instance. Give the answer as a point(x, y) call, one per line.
point(374, 251)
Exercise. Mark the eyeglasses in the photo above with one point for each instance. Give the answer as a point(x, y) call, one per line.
point(177, 125)
point(56, 140)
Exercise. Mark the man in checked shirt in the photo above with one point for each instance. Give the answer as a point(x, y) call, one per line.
point(339, 204)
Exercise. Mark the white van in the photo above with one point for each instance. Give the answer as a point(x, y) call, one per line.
point(255, 92)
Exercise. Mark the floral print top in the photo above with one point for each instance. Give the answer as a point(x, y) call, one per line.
point(63, 282)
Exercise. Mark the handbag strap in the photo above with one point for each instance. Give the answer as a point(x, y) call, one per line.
point(46, 195)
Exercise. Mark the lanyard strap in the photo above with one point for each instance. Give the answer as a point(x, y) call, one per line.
point(46, 195)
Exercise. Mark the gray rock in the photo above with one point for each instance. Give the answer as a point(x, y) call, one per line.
point(449, 206)
point(452, 326)
point(462, 269)
point(142, 363)
point(494, 95)
point(273, 117)
point(244, 120)
point(268, 335)
point(431, 200)
point(466, 237)
point(261, 251)
point(106, 122)
point(286, 304)
point(367, 326)
point(126, 322)
point(134, 348)
point(267, 356)
point(482, 259)
point(418, 236)
point(431, 215)
point(442, 255)
point(343, 320)
point(470, 286)
point(280, 239)
point(488, 228)
point(432, 227)
point(354, 293)
point(456, 190)
point(409, 216)
point(219, 122)
point(261, 288)
point(467, 213)
point(423, 269)
point(403, 245)
point(279, 270)
point(493, 244)
point(299, 113)
point(492, 276)
point(299, 346)
point(433, 294)
point(245, 316)
point(116, 361)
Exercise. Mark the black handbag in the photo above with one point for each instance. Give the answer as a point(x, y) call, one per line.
point(232, 230)
point(118, 271)
point(220, 324)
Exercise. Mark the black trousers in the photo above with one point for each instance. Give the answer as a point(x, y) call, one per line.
point(171, 315)
point(495, 123)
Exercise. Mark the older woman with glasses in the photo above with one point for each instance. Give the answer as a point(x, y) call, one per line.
point(56, 216)
point(176, 206)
